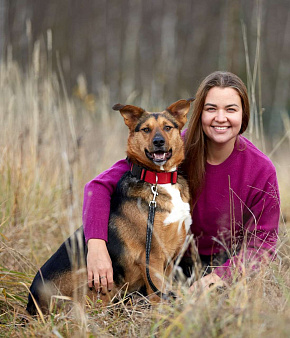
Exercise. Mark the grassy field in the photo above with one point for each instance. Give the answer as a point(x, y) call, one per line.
point(51, 144)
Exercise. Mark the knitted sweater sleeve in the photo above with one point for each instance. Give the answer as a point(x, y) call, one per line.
point(260, 232)
point(97, 198)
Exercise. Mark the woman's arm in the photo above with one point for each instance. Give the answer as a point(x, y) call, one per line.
point(97, 199)
point(260, 231)
point(96, 211)
point(260, 234)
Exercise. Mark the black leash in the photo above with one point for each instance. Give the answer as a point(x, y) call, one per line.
point(150, 223)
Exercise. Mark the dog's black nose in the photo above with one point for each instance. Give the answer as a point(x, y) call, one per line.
point(158, 141)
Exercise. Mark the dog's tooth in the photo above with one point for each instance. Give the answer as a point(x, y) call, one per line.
point(159, 156)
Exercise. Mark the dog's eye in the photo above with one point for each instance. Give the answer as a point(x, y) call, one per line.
point(146, 130)
point(167, 128)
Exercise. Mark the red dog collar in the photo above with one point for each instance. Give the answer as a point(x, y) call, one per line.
point(153, 177)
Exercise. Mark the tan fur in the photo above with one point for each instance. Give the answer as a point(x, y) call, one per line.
point(138, 141)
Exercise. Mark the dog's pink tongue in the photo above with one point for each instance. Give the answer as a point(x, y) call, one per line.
point(159, 156)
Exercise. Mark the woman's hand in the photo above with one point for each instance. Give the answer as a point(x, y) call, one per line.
point(207, 282)
point(99, 266)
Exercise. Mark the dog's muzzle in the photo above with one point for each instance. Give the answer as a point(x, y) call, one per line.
point(158, 153)
point(159, 157)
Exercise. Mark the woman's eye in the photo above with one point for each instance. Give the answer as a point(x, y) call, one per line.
point(167, 128)
point(146, 130)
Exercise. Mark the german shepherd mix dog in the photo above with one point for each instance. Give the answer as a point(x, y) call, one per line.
point(155, 149)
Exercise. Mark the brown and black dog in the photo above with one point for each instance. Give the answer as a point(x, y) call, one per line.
point(155, 149)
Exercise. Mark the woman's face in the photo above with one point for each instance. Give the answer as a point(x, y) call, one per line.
point(222, 115)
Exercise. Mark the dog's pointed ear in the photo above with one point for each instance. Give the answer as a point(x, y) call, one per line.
point(131, 114)
point(179, 110)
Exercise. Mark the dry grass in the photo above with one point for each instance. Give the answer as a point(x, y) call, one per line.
point(50, 146)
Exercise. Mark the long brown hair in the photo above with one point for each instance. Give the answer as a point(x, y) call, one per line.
point(193, 167)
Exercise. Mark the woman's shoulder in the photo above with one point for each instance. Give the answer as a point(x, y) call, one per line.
point(255, 156)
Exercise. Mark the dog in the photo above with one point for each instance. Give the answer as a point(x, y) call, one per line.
point(154, 150)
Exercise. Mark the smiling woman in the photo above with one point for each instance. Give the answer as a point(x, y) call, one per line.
point(233, 185)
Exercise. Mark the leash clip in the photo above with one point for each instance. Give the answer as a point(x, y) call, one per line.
point(154, 192)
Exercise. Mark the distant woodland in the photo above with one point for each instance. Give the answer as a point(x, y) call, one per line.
point(159, 47)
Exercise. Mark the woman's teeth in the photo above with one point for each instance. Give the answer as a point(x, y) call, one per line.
point(221, 128)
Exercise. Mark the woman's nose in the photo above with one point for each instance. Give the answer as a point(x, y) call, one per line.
point(221, 116)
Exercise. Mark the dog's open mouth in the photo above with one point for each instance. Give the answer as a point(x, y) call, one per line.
point(159, 157)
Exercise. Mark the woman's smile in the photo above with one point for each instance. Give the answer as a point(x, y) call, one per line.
point(220, 129)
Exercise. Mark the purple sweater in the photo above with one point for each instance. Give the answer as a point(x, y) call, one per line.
point(238, 207)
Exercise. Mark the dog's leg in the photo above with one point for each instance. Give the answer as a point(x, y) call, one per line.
point(168, 273)
point(156, 271)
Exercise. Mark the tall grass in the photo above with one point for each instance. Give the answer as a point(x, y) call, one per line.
point(51, 144)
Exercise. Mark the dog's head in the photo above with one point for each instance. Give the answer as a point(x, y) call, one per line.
point(154, 138)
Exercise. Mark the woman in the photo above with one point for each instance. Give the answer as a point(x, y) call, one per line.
point(234, 189)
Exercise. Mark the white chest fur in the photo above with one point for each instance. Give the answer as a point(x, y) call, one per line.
point(180, 211)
